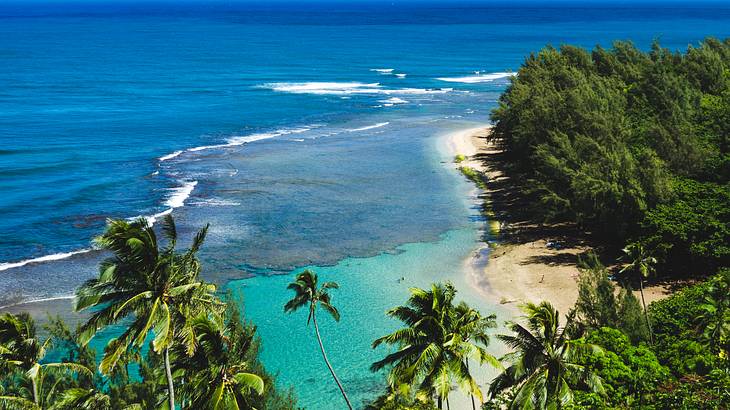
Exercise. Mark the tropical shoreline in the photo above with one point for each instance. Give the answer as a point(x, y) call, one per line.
point(517, 271)
point(511, 273)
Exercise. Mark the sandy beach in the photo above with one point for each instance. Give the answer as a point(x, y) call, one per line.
point(523, 262)
point(517, 272)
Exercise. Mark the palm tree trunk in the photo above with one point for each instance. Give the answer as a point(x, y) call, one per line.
point(448, 406)
point(646, 312)
point(168, 374)
point(34, 383)
point(324, 355)
point(439, 401)
point(473, 405)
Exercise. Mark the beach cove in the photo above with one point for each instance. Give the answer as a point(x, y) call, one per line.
point(308, 138)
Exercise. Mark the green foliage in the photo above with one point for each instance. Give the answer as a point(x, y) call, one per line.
point(545, 367)
point(714, 318)
point(402, 397)
point(27, 377)
point(201, 348)
point(630, 373)
point(600, 305)
point(474, 176)
point(631, 145)
point(459, 158)
point(436, 345)
point(677, 337)
point(691, 230)
point(711, 392)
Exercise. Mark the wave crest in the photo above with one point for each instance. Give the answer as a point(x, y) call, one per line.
point(349, 88)
point(478, 78)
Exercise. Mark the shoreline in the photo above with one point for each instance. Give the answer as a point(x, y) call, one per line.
point(509, 274)
point(527, 267)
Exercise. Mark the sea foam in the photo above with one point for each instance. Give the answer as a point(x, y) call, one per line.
point(170, 156)
point(39, 300)
point(478, 78)
point(394, 100)
point(41, 259)
point(176, 199)
point(368, 127)
point(240, 140)
point(180, 194)
point(348, 88)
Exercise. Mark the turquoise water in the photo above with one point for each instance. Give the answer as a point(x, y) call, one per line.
point(307, 135)
point(369, 286)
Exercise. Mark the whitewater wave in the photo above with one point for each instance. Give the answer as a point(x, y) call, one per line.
point(46, 258)
point(392, 101)
point(240, 140)
point(368, 127)
point(176, 199)
point(383, 70)
point(348, 88)
point(170, 156)
point(180, 194)
point(215, 202)
point(400, 75)
point(39, 300)
point(478, 78)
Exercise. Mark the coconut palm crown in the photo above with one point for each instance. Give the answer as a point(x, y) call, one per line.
point(435, 345)
point(543, 365)
point(153, 284)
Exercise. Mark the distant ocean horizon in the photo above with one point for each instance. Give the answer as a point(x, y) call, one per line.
point(307, 135)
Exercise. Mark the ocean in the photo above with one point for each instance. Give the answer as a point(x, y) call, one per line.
point(307, 135)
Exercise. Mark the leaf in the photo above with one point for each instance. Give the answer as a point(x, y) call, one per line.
point(250, 381)
point(163, 331)
point(143, 295)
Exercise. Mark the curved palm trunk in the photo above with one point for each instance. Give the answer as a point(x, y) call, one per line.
point(646, 312)
point(324, 355)
point(473, 405)
point(34, 383)
point(168, 374)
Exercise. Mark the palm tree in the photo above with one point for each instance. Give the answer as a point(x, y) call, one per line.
point(20, 349)
point(543, 364)
point(307, 292)
point(643, 264)
point(219, 373)
point(434, 347)
point(157, 286)
point(83, 399)
point(471, 338)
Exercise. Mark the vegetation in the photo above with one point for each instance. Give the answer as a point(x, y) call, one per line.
point(307, 292)
point(474, 176)
point(600, 305)
point(598, 359)
point(544, 364)
point(434, 348)
point(181, 339)
point(22, 357)
point(631, 145)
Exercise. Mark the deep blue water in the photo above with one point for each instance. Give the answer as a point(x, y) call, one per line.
point(291, 145)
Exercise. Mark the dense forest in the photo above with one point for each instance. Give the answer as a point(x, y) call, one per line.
point(631, 145)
